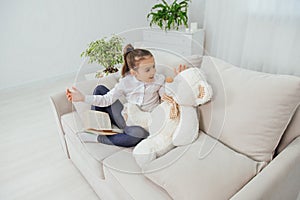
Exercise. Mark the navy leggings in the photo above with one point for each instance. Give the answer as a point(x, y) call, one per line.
point(131, 135)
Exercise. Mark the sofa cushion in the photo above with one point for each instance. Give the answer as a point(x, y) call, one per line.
point(92, 153)
point(122, 167)
point(206, 169)
point(279, 180)
point(250, 110)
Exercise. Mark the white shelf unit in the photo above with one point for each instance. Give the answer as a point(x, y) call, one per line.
point(180, 42)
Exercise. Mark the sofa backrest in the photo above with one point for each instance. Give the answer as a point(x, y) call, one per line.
point(166, 61)
point(250, 110)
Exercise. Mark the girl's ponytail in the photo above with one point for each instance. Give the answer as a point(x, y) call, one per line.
point(127, 49)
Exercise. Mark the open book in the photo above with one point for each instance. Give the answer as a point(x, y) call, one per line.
point(98, 123)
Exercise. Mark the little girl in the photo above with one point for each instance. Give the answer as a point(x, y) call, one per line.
point(139, 84)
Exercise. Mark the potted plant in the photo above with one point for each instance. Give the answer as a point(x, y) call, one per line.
point(169, 16)
point(107, 53)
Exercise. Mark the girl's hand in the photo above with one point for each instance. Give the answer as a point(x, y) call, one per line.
point(180, 69)
point(74, 95)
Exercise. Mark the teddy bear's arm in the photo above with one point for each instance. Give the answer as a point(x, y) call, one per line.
point(187, 130)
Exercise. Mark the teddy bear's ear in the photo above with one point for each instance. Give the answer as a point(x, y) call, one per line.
point(169, 79)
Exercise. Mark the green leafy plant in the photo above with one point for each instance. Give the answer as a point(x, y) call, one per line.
point(169, 16)
point(107, 53)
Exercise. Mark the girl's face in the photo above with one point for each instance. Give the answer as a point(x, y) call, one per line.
point(146, 70)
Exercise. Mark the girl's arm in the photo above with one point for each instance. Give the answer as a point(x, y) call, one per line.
point(107, 99)
point(102, 100)
point(97, 100)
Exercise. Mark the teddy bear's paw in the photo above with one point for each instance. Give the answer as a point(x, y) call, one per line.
point(201, 92)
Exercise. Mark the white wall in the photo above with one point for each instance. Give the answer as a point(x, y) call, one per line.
point(44, 38)
point(196, 12)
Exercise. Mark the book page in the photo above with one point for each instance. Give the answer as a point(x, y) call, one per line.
point(96, 120)
point(104, 131)
point(98, 123)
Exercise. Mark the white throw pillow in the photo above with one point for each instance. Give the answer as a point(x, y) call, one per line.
point(292, 131)
point(166, 61)
point(250, 110)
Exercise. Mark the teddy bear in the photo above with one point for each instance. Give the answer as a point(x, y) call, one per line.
point(175, 121)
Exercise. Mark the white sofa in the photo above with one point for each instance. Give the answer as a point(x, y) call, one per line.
point(248, 146)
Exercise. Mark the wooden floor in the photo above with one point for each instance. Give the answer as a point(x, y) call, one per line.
point(32, 163)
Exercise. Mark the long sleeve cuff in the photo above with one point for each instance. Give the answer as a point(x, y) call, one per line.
point(89, 99)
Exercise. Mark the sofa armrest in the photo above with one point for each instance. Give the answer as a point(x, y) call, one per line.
point(61, 106)
point(279, 180)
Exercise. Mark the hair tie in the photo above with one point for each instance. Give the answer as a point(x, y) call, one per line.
point(128, 50)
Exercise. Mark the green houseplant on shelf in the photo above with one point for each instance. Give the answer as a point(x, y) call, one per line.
point(169, 16)
point(105, 52)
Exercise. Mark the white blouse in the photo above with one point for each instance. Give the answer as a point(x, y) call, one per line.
point(145, 95)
